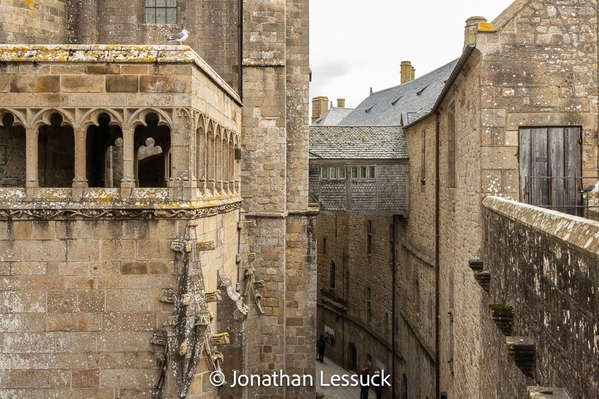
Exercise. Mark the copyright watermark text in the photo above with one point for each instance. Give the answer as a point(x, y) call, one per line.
point(282, 379)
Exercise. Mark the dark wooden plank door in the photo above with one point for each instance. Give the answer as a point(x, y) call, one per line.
point(550, 167)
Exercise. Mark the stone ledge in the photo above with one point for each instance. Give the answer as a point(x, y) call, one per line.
point(523, 351)
point(483, 277)
point(537, 392)
point(106, 54)
point(575, 232)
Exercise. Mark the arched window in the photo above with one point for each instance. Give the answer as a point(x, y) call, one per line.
point(351, 357)
point(104, 148)
point(12, 153)
point(404, 387)
point(56, 154)
point(231, 164)
point(218, 154)
point(201, 154)
point(152, 149)
point(211, 162)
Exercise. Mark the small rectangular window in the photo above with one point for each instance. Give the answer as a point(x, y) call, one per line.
point(341, 172)
point(354, 172)
point(371, 174)
point(368, 305)
point(161, 11)
point(324, 172)
point(363, 172)
point(333, 172)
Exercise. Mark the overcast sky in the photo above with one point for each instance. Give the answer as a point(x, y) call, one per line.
point(356, 45)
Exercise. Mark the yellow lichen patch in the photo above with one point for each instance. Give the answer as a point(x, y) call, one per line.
point(56, 194)
point(101, 195)
point(485, 27)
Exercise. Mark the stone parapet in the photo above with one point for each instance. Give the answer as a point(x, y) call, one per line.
point(544, 264)
point(107, 54)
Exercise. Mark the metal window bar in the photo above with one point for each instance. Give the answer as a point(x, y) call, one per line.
point(562, 194)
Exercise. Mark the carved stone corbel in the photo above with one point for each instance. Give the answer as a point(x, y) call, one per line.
point(252, 285)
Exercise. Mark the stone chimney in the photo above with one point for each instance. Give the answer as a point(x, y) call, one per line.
point(341, 103)
point(472, 27)
point(320, 105)
point(408, 73)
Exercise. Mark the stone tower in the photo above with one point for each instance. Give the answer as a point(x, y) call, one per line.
point(155, 226)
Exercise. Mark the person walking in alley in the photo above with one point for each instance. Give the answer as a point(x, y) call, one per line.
point(365, 381)
point(378, 384)
point(320, 346)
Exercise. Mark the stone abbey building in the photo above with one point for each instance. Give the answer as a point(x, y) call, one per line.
point(486, 285)
point(155, 233)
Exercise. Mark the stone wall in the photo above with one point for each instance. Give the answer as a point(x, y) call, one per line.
point(186, 93)
point(274, 188)
point(517, 90)
point(459, 237)
point(359, 308)
point(414, 249)
point(544, 265)
point(33, 21)
point(81, 301)
point(213, 29)
point(535, 65)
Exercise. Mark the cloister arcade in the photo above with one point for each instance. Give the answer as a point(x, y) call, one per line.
point(118, 148)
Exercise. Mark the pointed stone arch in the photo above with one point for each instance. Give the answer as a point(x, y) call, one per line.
point(13, 149)
point(152, 145)
point(218, 153)
point(210, 158)
point(201, 153)
point(104, 150)
point(91, 117)
point(140, 117)
point(19, 116)
point(55, 149)
point(43, 117)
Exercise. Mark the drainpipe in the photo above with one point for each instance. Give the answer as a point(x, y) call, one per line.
point(240, 48)
point(393, 298)
point(437, 262)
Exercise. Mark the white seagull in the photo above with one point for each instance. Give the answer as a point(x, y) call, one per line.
point(180, 37)
point(593, 188)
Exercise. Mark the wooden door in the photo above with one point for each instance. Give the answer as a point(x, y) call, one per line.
point(550, 167)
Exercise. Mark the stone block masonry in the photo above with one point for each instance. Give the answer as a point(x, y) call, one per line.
point(82, 301)
point(544, 264)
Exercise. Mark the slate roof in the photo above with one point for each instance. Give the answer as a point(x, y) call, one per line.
point(403, 104)
point(332, 116)
point(358, 142)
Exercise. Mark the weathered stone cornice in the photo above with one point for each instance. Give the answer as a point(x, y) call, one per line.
point(115, 53)
point(67, 211)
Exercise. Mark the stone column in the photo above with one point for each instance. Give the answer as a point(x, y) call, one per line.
point(31, 157)
point(80, 179)
point(129, 158)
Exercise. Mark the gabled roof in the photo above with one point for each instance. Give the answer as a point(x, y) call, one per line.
point(357, 142)
point(403, 104)
point(333, 116)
